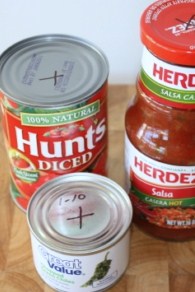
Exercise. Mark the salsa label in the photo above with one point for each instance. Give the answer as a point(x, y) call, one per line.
point(162, 194)
point(44, 143)
point(168, 84)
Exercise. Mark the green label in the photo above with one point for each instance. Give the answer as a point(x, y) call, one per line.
point(60, 118)
point(161, 202)
point(28, 176)
point(167, 93)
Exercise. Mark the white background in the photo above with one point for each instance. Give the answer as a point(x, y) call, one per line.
point(113, 25)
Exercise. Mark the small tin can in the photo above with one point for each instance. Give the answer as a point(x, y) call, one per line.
point(54, 105)
point(79, 225)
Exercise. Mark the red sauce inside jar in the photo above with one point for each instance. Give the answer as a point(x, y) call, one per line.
point(160, 133)
point(167, 135)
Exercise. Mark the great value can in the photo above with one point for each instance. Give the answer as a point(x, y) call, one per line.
point(54, 105)
point(79, 225)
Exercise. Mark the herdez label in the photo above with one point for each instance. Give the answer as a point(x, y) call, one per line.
point(168, 84)
point(162, 194)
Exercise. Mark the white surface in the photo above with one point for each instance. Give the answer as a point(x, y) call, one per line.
point(113, 25)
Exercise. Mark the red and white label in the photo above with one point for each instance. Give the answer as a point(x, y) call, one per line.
point(44, 143)
point(163, 194)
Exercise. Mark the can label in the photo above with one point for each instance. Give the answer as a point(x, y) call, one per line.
point(161, 194)
point(168, 84)
point(91, 272)
point(44, 143)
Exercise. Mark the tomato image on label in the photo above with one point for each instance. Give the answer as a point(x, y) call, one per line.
point(20, 161)
point(40, 152)
point(65, 131)
point(22, 167)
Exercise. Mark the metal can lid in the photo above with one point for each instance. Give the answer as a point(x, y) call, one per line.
point(167, 30)
point(79, 213)
point(52, 70)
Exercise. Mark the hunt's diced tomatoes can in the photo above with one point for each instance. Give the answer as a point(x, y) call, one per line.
point(54, 110)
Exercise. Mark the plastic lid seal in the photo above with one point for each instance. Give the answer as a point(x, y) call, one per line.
point(168, 31)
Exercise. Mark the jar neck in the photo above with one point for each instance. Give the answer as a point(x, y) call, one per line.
point(146, 100)
point(169, 84)
point(150, 107)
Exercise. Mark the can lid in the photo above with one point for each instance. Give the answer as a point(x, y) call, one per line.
point(167, 30)
point(52, 70)
point(79, 213)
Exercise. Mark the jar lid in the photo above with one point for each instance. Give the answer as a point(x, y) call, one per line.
point(168, 31)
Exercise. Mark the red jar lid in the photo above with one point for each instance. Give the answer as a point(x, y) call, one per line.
point(168, 31)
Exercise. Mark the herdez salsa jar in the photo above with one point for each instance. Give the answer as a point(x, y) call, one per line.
point(160, 131)
point(54, 110)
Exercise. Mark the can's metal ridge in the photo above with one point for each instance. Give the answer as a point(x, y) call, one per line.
point(104, 198)
point(15, 62)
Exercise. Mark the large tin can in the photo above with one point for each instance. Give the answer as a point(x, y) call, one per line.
point(79, 225)
point(53, 91)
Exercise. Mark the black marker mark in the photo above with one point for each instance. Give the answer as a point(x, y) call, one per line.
point(72, 199)
point(55, 76)
point(188, 23)
point(80, 217)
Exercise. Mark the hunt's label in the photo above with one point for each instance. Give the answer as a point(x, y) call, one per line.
point(44, 143)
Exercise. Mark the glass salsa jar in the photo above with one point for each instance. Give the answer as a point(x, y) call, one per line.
point(160, 124)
